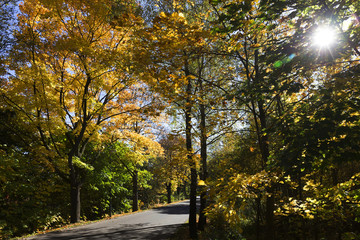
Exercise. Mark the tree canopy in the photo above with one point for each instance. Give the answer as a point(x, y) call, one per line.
point(113, 106)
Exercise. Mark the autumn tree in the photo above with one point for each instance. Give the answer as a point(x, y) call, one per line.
point(171, 169)
point(132, 153)
point(166, 52)
point(70, 81)
point(281, 70)
point(215, 112)
point(143, 148)
point(181, 71)
point(259, 41)
point(324, 119)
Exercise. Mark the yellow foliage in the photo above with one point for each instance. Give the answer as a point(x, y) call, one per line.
point(72, 78)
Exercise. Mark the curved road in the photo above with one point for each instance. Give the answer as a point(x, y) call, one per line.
point(154, 224)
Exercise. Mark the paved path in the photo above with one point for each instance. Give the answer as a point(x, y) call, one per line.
point(155, 224)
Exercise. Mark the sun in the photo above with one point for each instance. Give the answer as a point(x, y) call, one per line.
point(324, 37)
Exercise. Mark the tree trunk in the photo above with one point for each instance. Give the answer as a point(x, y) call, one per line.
point(203, 153)
point(264, 139)
point(110, 207)
point(178, 191)
point(75, 186)
point(258, 217)
point(192, 163)
point(264, 147)
point(192, 215)
point(135, 205)
point(168, 190)
point(270, 230)
point(75, 199)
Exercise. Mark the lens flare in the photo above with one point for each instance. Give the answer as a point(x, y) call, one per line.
point(324, 37)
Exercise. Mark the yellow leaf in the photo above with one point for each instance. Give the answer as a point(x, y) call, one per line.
point(201, 183)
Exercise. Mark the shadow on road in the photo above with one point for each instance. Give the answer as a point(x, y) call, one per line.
point(136, 232)
point(156, 224)
point(180, 208)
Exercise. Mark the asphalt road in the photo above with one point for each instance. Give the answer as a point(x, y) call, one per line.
point(154, 224)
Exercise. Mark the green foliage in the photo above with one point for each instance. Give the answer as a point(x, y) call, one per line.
point(108, 184)
point(31, 197)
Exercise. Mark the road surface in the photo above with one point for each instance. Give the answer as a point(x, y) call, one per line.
point(154, 224)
